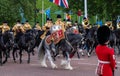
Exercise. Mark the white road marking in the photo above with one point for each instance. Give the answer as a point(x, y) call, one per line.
point(77, 59)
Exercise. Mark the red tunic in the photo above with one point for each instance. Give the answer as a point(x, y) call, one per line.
point(106, 59)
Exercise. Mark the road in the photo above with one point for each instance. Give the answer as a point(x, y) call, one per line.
point(82, 67)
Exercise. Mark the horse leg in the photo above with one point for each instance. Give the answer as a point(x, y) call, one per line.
point(43, 62)
point(50, 59)
point(20, 53)
point(0, 57)
point(67, 62)
point(13, 54)
point(28, 57)
point(6, 57)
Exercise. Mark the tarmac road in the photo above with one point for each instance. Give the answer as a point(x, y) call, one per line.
point(82, 67)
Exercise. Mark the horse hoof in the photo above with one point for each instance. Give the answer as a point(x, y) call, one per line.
point(82, 54)
point(69, 68)
point(88, 55)
point(44, 65)
point(63, 63)
point(54, 66)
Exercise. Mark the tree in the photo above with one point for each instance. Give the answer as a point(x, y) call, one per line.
point(9, 10)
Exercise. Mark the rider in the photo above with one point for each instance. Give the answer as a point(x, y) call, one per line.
point(118, 25)
point(17, 28)
point(109, 24)
point(86, 24)
point(5, 27)
point(37, 26)
point(27, 26)
point(59, 22)
point(105, 54)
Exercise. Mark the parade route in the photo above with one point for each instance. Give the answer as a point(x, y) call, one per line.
point(82, 67)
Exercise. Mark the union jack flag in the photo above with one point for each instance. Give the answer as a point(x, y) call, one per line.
point(62, 3)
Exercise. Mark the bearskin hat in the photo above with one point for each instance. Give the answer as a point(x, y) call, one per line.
point(103, 34)
point(58, 16)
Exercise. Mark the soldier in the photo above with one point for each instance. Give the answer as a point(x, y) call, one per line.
point(68, 24)
point(106, 57)
point(46, 28)
point(47, 25)
point(59, 22)
point(109, 24)
point(27, 26)
point(86, 25)
point(18, 28)
point(118, 25)
point(5, 27)
point(37, 26)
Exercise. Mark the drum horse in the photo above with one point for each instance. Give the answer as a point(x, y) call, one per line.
point(56, 41)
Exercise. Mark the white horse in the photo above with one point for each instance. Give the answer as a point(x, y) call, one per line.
point(48, 45)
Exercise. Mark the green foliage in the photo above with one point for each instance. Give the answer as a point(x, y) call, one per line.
point(10, 9)
point(104, 9)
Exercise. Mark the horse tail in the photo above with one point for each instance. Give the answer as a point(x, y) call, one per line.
point(41, 51)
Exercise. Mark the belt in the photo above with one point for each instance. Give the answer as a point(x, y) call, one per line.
point(104, 62)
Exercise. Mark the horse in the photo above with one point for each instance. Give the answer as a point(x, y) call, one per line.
point(74, 37)
point(116, 37)
point(91, 40)
point(23, 41)
point(54, 42)
point(6, 44)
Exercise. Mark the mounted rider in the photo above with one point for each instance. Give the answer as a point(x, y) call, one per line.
point(118, 25)
point(4, 27)
point(27, 26)
point(86, 24)
point(46, 28)
point(59, 22)
point(109, 24)
point(37, 26)
point(18, 27)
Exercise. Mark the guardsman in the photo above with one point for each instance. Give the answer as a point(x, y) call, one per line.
point(118, 25)
point(106, 58)
point(18, 27)
point(5, 27)
point(85, 23)
point(27, 26)
point(109, 24)
point(47, 25)
point(68, 24)
point(37, 26)
point(46, 28)
point(59, 22)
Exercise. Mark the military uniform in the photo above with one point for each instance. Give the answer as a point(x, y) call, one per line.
point(5, 27)
point(118, 25)
point(27, 26)
point(46, 28)
point(59, 22)
point(18, 28)
point(106, 58)
point(85, 24)
point(109, 24)
point(37, 27)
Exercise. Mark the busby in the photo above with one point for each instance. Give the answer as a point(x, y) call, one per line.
point(103, 34)
point(58, 16)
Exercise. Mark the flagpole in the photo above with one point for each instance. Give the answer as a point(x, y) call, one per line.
point(42, 12)
point(85, 8)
